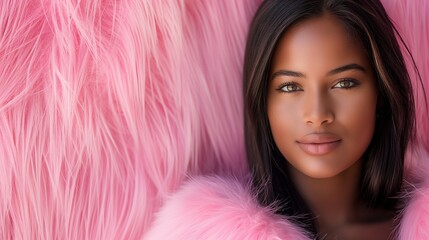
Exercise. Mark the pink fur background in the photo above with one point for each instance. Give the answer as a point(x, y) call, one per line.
point(107, 106)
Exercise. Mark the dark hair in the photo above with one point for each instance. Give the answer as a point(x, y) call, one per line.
point(383, 161)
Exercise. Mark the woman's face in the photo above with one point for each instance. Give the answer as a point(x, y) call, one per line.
point(322, 98)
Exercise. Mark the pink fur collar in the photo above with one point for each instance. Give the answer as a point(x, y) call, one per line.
point(224, 208)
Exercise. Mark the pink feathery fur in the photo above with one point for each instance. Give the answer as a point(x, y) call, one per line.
point(107, 106)
point(411, 19)
point(210, 207)
point(415, 216)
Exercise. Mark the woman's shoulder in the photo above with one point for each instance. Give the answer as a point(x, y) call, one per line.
point(214, 207)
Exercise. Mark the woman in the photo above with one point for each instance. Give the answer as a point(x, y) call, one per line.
point(340, 156)
point(329, 114)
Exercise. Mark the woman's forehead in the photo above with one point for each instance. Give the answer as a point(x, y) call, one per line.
point(319, 44)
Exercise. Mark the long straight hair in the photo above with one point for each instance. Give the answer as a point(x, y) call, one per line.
point(383, 161)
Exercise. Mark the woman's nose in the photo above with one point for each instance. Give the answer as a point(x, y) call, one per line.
point(318, 110)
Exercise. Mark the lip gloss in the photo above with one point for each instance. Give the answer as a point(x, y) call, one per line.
point(319, 148)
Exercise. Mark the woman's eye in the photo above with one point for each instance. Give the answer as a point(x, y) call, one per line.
point(290, 87)
point(346, 83)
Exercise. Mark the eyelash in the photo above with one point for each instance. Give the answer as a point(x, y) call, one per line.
point(354, 83)
point(288, 84)
point(351, 81)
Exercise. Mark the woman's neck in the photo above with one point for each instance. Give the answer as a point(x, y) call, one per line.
point(334, 201)
point(338, 210)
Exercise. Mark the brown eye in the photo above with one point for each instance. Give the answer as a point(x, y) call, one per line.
point(346, 83)
point(290, 87)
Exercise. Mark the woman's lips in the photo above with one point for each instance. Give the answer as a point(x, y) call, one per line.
point(319, 143)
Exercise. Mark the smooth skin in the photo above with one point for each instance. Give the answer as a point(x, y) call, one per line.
point(322, 104)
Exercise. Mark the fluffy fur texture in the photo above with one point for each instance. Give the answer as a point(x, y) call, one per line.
point(219, 208)
point(415, 217)
point(107, 106)
point(225, 208)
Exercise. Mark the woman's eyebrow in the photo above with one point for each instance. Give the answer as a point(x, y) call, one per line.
point(347, 67)
point(287, 73)
point(353, 66)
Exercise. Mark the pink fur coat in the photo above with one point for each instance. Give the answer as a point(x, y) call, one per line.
point(224, 208)
point(122, 119)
